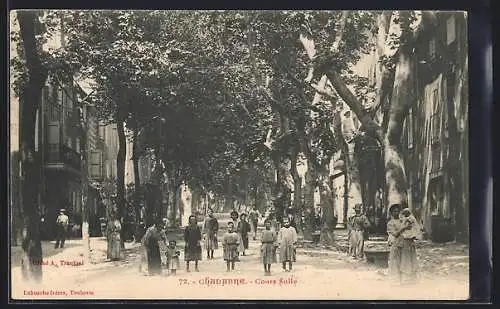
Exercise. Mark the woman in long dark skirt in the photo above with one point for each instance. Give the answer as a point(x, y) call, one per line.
point(192, 237)
point(243, 229)
point(151, 240)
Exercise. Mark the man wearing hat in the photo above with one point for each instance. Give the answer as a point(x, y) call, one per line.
point(357, 224)
point(61, 226)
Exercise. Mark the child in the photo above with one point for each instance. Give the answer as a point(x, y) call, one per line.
point(172, 257)
point(210, 229)
point(230, 243)
point(268, 248)
point(192, 237)
point(413, 232)
point(243, 229)
point(287, 238)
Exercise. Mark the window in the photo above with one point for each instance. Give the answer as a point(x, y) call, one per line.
point(58, 95)
point(95, 165)
point(416, 191)
point(54, 133)
point(432, 48)
point(410, 128)
point(436, 158)
point(436, 195)
point(450, 30)
point(77, 145)
point(435, 118)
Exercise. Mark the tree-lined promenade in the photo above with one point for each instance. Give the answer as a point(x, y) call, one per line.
point(233, 103)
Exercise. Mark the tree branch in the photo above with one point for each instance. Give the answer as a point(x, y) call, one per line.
point(346, 94)
point(354, 104)
point(339, 35)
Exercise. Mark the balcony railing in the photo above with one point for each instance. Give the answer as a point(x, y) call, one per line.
point(59, 153)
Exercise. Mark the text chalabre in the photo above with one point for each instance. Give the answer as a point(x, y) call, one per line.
point(219, 281)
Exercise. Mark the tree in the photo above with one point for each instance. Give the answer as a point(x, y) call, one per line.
point(122, 62)
point(29, 89)
point(400, 92)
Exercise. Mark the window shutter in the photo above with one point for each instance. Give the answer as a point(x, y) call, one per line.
point(54, 133)
point(95, 164)
point(450, 30)
point(432, 48)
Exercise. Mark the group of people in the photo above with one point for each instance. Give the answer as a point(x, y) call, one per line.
point(277, 238)
point(234, 243)
point(402, 230)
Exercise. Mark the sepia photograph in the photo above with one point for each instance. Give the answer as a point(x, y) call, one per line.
point(238, 155)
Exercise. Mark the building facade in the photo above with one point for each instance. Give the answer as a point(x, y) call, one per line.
point(436, 131)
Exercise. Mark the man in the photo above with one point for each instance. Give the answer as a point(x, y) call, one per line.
point(61, 226)
point(254, 220)
point(358, 224)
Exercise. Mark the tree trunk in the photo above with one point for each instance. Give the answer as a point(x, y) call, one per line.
point(297, 183)
point(120, 177)
point(327, 221)
point(16, 201)
point(402, 97)
point(384, 77)
point(85, 204)
point(195, 199)
point(229, 195)
point(137, 178)
point(297, 190)
point(176, 205)
point(354, 189)
point(457, 157)
point(30, 100)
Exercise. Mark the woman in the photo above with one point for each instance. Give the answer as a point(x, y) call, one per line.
point(113, 234)
point(192, 237)
point(150, 241)
point(409, 265)
point(243, 228)
point(402, 252)
point(210, 229)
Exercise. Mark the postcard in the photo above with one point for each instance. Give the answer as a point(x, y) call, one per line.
point(244, 155)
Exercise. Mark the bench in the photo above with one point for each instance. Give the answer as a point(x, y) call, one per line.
point(316, 237)
point(377, 257)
